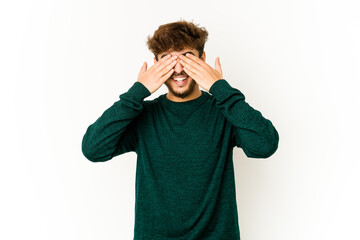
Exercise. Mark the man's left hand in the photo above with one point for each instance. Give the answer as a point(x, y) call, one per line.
point(200, 71)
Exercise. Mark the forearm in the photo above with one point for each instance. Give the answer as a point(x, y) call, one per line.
point(252, 132)
point(102, 137)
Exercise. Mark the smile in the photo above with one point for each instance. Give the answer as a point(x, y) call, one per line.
point(180, 80)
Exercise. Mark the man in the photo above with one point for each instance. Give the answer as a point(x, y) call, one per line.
point(184, 140)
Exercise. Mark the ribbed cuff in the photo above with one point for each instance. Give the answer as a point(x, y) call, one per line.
point(138, 91)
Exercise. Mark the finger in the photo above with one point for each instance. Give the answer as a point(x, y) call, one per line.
point(161, 61)
point(164, 58)
point(143, 68)
point(191, 73)
point(218, 65)
point(196, 60)
point(191, 67)
point(167, 68)
point(167, 75)
point(185, 60)
point(165, 63)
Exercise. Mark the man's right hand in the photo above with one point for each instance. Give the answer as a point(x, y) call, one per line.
point(157, 74)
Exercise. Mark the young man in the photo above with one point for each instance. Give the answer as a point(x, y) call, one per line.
point(184, 140)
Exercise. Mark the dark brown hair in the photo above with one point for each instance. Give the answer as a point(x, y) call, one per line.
point(177, 36)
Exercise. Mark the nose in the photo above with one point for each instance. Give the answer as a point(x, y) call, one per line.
point(178, 68)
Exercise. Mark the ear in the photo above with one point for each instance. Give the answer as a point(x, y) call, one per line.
point(203, 57)
point(155, 60)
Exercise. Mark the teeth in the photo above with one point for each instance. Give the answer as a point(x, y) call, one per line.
point(179, 79)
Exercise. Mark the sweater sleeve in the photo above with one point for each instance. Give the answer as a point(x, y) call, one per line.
point(114, 132)
point(252, 132)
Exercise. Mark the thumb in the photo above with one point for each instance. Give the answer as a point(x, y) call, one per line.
point(218, 65)
point(143, 68)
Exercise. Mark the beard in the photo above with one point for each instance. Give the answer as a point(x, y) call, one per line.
point(184, 91)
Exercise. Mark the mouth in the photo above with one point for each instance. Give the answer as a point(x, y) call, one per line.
point(180, 80)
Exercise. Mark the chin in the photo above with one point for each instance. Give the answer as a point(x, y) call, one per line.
point(185, 91)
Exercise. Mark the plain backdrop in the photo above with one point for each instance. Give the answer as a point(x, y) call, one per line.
point(63, 63)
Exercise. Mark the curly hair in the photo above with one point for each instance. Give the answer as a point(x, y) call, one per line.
point(177, 36)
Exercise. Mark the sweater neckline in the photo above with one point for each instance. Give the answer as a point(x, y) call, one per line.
point(187, 104)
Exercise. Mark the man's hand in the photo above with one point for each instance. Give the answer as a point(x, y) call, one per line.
point(157, 74)
point(201, 72)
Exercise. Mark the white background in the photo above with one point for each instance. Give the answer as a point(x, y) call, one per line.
point(62, 63)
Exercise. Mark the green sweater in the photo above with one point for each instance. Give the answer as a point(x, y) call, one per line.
point(185, 187)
